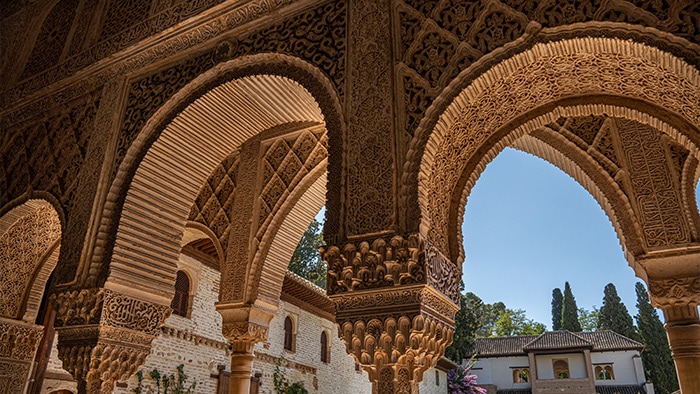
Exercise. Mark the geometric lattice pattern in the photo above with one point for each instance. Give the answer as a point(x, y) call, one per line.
point(214, 204)
point(286, 162)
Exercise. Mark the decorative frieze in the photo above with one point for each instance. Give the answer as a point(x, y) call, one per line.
point(386, 262)
point(104, 336)
point(671, 292)
point(18, 344)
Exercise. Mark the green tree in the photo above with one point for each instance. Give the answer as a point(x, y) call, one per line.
point(514, 322)
point(467, 322)
point(614, 315)
point(306, 261)
point(557, 299)
point(657, 353)
point(569, 311)
point(489, 315)
point(588, 319)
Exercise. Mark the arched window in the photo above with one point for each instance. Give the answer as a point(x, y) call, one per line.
point(521, 375)
point(180, 304)
point(288, 334)
point(561, 369)
point(325, 350)
point(604, 372)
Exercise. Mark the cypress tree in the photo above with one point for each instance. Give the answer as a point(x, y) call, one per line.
point(557, 299)
point(569, 311)
point(614, 315)
point(657, 353)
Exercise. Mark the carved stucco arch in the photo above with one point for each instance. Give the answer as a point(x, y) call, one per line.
point(30, 238)
point(530, 85)
point(310, 97)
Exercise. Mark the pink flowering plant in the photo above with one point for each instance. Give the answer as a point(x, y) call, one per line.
point(461, 381)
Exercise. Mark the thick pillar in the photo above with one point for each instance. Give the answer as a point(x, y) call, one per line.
point(679, 297)
point(244, 326)
point(395, 301)
point(104, 336)
point(18, 343)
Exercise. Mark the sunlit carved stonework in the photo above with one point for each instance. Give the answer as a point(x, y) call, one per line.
point(129, 129)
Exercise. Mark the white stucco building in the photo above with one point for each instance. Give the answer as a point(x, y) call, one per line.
point(602, 362)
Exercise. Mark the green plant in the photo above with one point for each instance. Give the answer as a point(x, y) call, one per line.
point(170, 383)
point(282, 386)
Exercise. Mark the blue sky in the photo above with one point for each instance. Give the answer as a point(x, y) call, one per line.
point(528, 228)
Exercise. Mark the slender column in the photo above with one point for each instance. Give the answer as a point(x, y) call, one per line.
point(679, 299)
point(18, 344)
point(104, 336)
point(395, 306)
point(683, 330)
point(241, 366)
point(244, 326)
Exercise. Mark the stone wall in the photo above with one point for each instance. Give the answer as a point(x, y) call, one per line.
point(194, 341)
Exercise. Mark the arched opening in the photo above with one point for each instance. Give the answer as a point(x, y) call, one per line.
point(30, 238)
point(181, 301)
point(529, 224)
point(325, 349)
point(289, 334)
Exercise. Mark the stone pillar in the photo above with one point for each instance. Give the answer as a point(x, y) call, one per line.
point(18, 343)
point(679, 297)
point(104, 336)
point(395, 305)
point(244, 326)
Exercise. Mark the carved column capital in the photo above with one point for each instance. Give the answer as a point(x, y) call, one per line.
point(104, 336)
point(18, 344)
point(389, 262)
point(244, 323)
point(395, 334)
point(396, 299)
point(673, 292)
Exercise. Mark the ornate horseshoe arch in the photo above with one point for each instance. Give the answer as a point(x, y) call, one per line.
point(160, 145)
point(534, 88)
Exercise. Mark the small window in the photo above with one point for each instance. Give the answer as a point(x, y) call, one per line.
point(437, 377)
point(521, 375)
point(561, 368)
point(288, 334)
point(325, 349)
point(604, 372)
point(180, 304)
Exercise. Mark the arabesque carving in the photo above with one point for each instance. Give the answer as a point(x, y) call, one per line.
point(104, 336)
point(535, 78)
point(672, 292)
point(322, 46)
point(18, 344)
point(432, 30)
point(370, 120)
point(245, 331)
point(384, 263)
point(22, 248)
point(395, 335)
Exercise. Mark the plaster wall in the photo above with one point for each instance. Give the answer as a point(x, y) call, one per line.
point(545, 369)
point(627, 367)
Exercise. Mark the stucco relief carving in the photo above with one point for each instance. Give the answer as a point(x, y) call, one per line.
point(368, 143)
point(657, 193)
point(286, 162)
point(22, 249)
point(539, 76)
point(104, 336)
point(214, 203)
point(668, 293)
point(478, 28)
point(18, 343)
point(115, 39)
point(48, 153)
point(396, 351)
point(245, 331)
point(383, 263)
point(323, 46)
